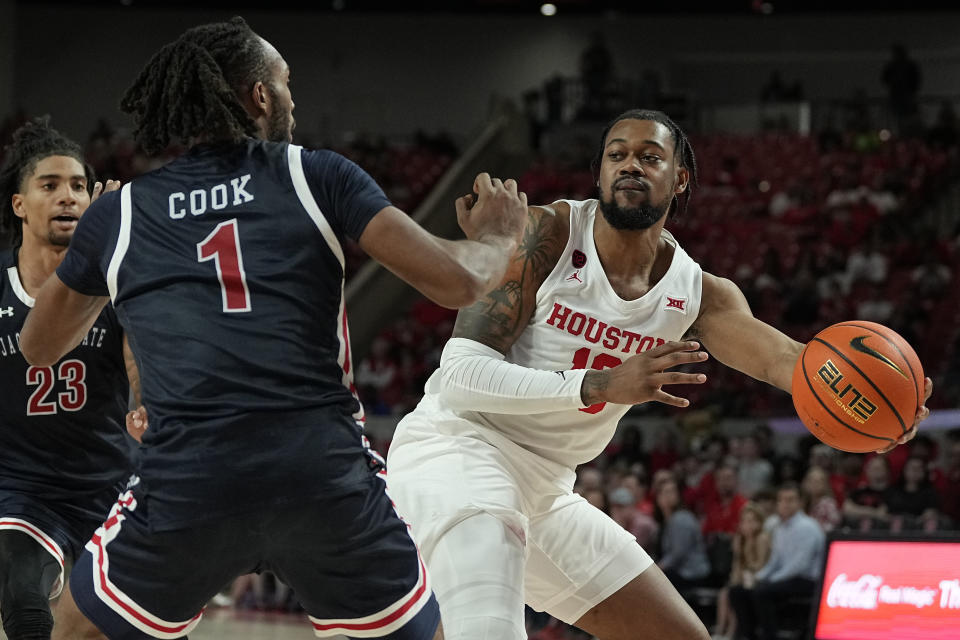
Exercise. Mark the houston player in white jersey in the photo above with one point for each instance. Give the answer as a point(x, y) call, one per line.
point(599, 304)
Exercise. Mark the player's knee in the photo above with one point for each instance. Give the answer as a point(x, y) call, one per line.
point(27, 621)
point(483, 627)
point(24, 600)
point(477, 574)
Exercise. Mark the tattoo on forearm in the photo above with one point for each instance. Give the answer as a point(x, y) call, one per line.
point(500, 317)
point(594, 383)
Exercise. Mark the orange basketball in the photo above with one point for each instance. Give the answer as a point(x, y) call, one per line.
point(857, 386)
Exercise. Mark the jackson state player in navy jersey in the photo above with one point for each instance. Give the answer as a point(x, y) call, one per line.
point(63, 453)
point(226, 269)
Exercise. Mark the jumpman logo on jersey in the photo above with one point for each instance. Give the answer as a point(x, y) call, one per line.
point(575, 276)
point(6, 312)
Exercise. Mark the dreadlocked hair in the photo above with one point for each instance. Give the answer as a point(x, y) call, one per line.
point(683, 152)
point(31, 143)
point(189, 88)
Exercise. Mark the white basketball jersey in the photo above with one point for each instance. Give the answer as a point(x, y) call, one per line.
point(580, 322)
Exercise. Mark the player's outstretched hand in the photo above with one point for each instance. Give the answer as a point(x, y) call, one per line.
point(642, 377)
point(137, 422)
point(100, 188)
point(922, 414)
point(497, 210)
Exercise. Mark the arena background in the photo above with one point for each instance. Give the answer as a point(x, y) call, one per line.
point(424, 95)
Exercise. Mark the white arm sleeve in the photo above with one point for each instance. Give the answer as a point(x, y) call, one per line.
point(474, 377)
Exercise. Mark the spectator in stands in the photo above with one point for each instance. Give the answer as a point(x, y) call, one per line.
point(787, 469)
point(713, 454)
point(944, 134)
point(774, 89)
point(802, 306)
point(866, 507)
point(589, 478)
point(819, 501)
point(834, 302)
point(636, 481)
point(376, 373)
point(666, 450)
point(913, 503)
point(683, 556)
point(751, 551)
point(849, 475)
point(867, 263)
point(630, 447)
point(624, 512)
point(777, 90)
point(596, 497)
point(931, 277)
point(555, 98)
point(258, 591)
point(766, 501)
point(754, 472)
point(596, 73)
point(949, 483)
point(794, 565)
point(902, 77)
point(723, 511)
point(764, 436)
point(875, 306)
point(826, 457)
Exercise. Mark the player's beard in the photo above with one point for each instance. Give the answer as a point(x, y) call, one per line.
point(54, 238)
point(636, 218)
point(281, 123)
point(59, 238)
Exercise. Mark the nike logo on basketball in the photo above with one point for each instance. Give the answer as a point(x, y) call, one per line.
point(6, 312)
point(857, 344)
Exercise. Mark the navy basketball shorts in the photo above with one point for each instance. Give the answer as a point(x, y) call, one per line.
point(61, 530)
point(349, 560)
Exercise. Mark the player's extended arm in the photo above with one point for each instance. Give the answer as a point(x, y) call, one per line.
point(136, 420)
point(59, 320)
point(731, 333)
point(474, 375)
point(133, 373)
point(452, 273)
point(737, 339)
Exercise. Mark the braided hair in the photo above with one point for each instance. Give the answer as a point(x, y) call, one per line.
point(190, 88)
point(683, 151)
point(32, 142)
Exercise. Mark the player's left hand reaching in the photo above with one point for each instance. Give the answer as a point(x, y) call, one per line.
point(100, 188)
point(922, 414)
point(137, 422)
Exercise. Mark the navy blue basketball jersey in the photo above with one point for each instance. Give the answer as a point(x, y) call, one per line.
point(62, 434)
point(226, 269)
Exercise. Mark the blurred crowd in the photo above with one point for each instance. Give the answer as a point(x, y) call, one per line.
point(726, 515)
point(814, 230)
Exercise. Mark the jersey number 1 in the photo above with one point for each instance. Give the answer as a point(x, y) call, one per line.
point(223, 247)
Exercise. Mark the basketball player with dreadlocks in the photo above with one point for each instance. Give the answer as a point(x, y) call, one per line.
point(599, 304)
point(226, 269)
point(63, 453)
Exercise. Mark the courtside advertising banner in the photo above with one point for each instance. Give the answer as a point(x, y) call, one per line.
point(890, 590)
